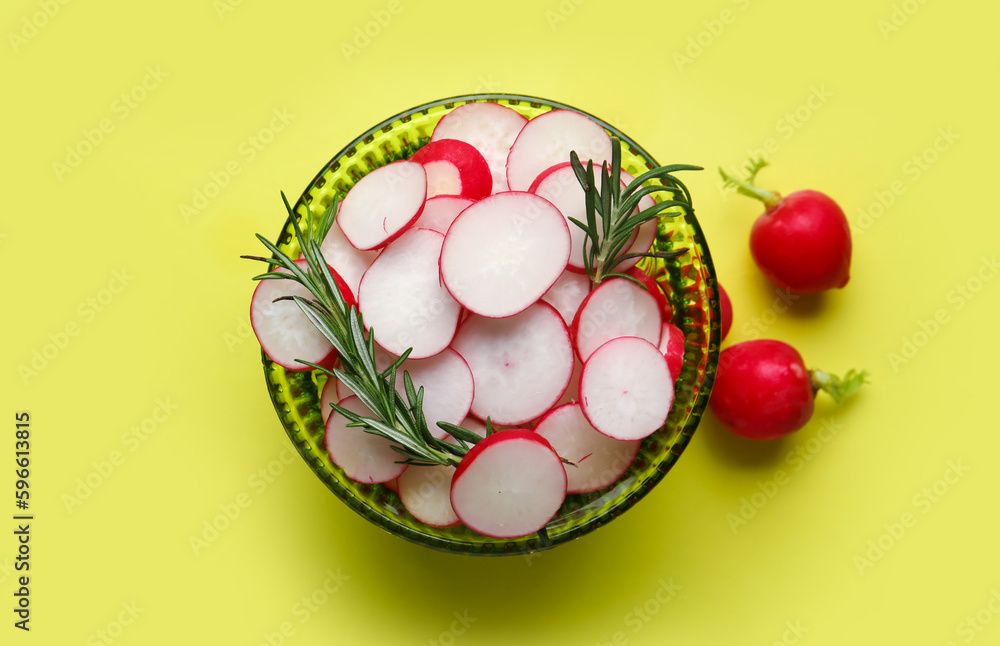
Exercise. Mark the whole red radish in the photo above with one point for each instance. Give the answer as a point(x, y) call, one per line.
point(763, 390)
point(802, 242)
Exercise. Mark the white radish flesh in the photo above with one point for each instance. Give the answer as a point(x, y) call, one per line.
point(567, 294)
point(548, 139)
point(618, 307)
point(364, 457)
point(439, 212)
point(402, 299)
point(426, 494)
point(383, 204)
point(600, 460)
point(626, 389)
point(503, 252)
point(521, 365)
point(283, 331)
point(490, 128)
point(510, 484)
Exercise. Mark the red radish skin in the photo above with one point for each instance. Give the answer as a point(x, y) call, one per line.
point(802, 242)
point(490, 127)
point(454, 167)
point(402, 299)
point(504, 252)
point(548, 139)
point(383, 204)
point(672, 347)
point(763, 390)
point(439, 212)
point(726, 319)
point(364, 457)
point(626, 389)
point(617, 307)
point(599, 460)
point(521, 365)
point(283, 331)
point(510, 484)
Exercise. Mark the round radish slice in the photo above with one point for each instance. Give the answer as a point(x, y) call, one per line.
point(510, 484)
point(503, 252)
point(626, 389)
point(345, 258)
point(448, 388)
point(454, 167)
point(329, 396)
point(382, 204)
point(439, 212)
point(618, 307)
point(653, 287)
point(402, 300)
point(560, 186)
point(567, 293)
point(363, 457)
point(520, 365)
point(548, 139)
point(283, 331)
point(672, 347)
point(600, 460)
point(426, 494)
point(490, 128)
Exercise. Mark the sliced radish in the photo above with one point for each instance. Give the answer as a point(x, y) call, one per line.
point(548, 139)
point(626, 389)
point(283, 331)
point(363, 457)
point(503, 252)
point(402, 299)
point(439, 212)
point(349, 261)
point(329, 395)
point(510, 484)
point(426, 494)
point(448, 388)
point(600, 460)
point(653, 287)
point(383, 204)
point(618, 307)
point(454, 167)
point(672, 347)
point(490, 127)
point(521, 364)
point(567, 293)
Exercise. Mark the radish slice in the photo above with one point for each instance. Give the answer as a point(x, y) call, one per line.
point(520, 365)
point(402, 299)
point(439, 212)
point(448, 388)
point(653, 287)
point(283, 331)
point(363, 457)
point(328, 396)
point(426, 494)
point(344, 257)
point(490, 127)
point(672, 347)
point(600, 460)
point(510, 484)
point(626, 389)
point(503, 252)
point(548, 139)
point(383, 204)
point(642, 242)
point(567, 294)
point(618, 307)
point(454, 167)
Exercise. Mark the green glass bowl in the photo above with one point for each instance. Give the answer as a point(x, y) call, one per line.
point(689, 279)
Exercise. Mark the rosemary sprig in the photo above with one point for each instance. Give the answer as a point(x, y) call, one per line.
point(398, 419)
point(610, 222)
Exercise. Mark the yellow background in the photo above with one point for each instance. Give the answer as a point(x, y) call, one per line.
point(156, 299)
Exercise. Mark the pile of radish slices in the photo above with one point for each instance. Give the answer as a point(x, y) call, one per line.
point(465, 254)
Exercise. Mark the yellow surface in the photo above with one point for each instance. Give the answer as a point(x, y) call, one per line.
point(125, 333)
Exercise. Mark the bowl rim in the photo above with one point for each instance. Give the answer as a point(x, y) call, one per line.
point(541, 541)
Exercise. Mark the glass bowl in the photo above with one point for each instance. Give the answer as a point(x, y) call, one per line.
point(689, 279)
